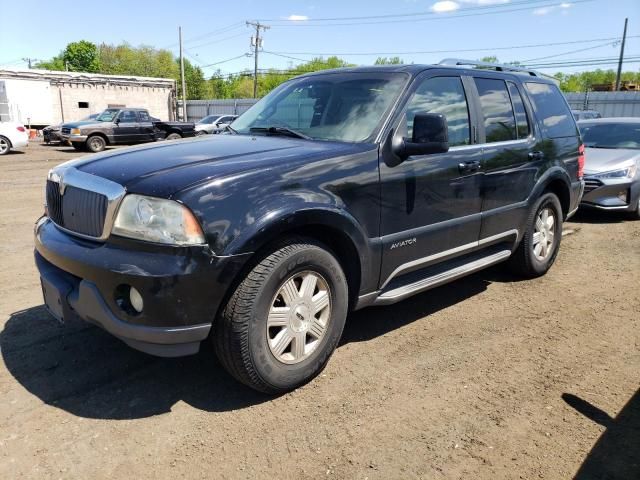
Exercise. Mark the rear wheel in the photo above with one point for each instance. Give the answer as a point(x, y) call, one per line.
point(5, 145)
point(285, 319)
point(173, 136)
point(541, 242)
point(96, 143)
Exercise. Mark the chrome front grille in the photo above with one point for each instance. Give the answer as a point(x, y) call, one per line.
point(81, 203)
point(77, 210)
point(66, 130)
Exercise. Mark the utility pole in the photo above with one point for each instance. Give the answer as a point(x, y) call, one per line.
point(184, 83)
point(28, 60)
point(256, 42)
point(624, 39)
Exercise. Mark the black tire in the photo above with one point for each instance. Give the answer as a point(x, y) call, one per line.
point(200, 133)
point(173, 136)
point(79, 146)
point(524, 261)
point(635, 214)
point(5, 145)
point(240, 333)
point(96, 143)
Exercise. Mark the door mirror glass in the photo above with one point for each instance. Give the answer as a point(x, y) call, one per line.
point(429, 135)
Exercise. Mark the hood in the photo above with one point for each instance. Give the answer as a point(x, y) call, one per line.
point(164, 168)
point(606, 159)
point(83, 123)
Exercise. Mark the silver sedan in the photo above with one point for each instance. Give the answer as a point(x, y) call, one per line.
point(612, 159)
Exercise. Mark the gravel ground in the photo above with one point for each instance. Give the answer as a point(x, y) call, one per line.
point(485, 378)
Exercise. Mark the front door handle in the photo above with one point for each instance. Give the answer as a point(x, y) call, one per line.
point(537, 155)
point(466, 167)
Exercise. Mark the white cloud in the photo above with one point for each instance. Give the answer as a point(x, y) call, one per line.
point(445, 6)
point(297, 18)
point(546, 10)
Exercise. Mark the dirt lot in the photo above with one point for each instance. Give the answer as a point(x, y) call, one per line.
point(485, 378)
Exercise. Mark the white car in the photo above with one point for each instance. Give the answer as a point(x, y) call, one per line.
point(12, 135)
point(213, 124)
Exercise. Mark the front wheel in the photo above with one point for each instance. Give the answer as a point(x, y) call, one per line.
point(284, 320)
point(173, 136)
point(95, 144)
point(541, 242)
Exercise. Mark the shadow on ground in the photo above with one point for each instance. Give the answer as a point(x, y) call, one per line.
point(616, 454)
point(85, 371)
point(593, 216)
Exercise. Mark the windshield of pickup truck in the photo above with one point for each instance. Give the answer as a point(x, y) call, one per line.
point(345, 107)
point(108, 115)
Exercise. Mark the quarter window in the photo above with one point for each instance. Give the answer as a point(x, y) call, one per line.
point(443, 95)
point(522, 123)
point(550, 106)
point(499, 120)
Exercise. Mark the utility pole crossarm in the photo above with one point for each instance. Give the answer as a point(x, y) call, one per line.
point(256, 44)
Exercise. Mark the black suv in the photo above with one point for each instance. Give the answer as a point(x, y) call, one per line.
point(339, 190)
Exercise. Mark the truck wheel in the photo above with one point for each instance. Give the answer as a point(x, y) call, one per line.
point(541, 242)
point(79, 146)
point(96, 143)
point(173, 136)
point(285, 319)
point(5, 145)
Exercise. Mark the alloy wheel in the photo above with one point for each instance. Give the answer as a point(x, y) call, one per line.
point(298, 317)
point(544, 233)
point(4, 146)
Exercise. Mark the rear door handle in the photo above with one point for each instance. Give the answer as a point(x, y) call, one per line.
point(537, 155)
point(466, 167)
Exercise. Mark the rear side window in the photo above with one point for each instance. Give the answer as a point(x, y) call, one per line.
point(551, 108)
point(522, 123)
point(499, 120)
point(442, 95)
point(143, 116)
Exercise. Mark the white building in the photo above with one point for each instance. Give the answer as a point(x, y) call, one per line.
point(44, 97)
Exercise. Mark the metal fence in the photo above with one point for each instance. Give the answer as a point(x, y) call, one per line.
point(197, 109)
point(608, 104)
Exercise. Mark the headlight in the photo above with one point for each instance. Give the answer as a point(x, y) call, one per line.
point(627, 172)
point(75, 131)
point(157, 220)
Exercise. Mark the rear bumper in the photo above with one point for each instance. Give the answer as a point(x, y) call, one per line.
point(182, 288)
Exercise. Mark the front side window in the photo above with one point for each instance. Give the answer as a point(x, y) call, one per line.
point(499, 119)
point(551, 108)
point(108, 115)
point(443, 95)
point(347, 107)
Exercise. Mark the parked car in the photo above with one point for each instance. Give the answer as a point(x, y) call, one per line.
point(612, 173)
point(12, 136)
point(585, 114)
point(339, 190)
point(122, 126)
point(214, 124)
point(52, 133)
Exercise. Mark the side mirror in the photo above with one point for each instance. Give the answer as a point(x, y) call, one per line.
point(117, 121)
point(429, 136)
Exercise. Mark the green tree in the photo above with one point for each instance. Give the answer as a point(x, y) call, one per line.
point(81, 56)
point(389, 61)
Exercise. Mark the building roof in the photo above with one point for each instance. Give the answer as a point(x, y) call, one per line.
point(55, 76)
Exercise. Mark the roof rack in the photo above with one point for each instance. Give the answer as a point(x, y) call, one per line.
point(459, 62)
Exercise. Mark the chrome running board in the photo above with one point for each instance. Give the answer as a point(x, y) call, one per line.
point(400, 293)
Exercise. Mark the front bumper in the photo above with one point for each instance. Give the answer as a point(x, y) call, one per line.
point(74, 138)
point(51, 136)
point(604, 194)
point(182, 288)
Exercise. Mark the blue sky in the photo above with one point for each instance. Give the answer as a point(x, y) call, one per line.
point(215, 31)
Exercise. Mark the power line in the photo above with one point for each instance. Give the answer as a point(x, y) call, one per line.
point(573, 51)
point(413, 52)
point(212, 33)
point(401, 15)
point(220, 40)
point(227, 60)
point(433, 18)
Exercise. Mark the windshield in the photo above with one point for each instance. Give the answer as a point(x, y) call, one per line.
point(209, 119)
point(108, 115)
point(611, 135)
point(346, 107)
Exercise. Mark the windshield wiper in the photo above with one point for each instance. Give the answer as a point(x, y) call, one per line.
point(280, 131)
point(231, 129)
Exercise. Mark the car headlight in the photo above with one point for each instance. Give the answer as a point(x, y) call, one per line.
point(627, 172)
point(157, 220)
point(75, 131)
